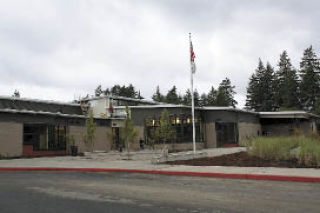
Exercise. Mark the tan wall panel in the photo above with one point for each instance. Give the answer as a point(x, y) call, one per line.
point(11, 139)
point(247, 131)
point(136, 144)
point(211, 137)
point(101, 143)
point(283, 129)
point(306, 127)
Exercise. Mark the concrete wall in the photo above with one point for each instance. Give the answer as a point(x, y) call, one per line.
point(136, 144)
point(11, 137)
point(98, 107)
point(247, 131)
point(210, 135)
point(229, 116)
point(285, 129)
point(102, 141)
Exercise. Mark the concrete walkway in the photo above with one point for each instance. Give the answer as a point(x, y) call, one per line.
point(141, 161)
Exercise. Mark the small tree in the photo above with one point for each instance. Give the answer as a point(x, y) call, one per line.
point(128, 132)
point(89, 135)
point(165, 132)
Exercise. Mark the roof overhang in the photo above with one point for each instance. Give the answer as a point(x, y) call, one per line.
point(31, 112)
point(288, 114)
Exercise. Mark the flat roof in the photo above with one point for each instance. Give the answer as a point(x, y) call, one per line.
point(15, 111)
point(214, 108)
point(121, 98)
point(39, 101)
point(288, 114)
point(188, 107)
point(154, 106)
point(23, 111)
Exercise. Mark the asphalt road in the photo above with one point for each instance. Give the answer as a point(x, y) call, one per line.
point(119, 192)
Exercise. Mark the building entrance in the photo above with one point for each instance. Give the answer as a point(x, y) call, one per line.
point(227, 134)
point(116, 138)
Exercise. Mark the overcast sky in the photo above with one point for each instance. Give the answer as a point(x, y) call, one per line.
point(59, 50)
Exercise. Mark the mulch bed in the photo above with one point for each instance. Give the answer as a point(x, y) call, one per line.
point(241, 159)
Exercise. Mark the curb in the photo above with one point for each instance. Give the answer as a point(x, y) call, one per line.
point(179, 173)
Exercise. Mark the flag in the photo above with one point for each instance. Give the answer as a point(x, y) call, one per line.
point(192, 57)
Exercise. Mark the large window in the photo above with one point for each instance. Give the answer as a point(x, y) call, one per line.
point(45, 137)
point(182, 125)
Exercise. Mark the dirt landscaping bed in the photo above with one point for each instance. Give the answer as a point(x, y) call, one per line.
point(241, 159)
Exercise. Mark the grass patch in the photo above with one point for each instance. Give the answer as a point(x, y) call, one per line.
point(305, 149)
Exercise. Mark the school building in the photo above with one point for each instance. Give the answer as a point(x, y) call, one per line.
point(30, 127)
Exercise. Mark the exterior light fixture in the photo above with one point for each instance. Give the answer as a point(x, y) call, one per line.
point(177, 120)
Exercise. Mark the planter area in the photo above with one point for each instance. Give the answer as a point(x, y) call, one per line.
point(241, 159)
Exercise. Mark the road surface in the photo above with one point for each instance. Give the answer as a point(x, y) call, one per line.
point(78, 192)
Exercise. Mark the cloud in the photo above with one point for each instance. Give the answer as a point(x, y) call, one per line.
point(67, 48)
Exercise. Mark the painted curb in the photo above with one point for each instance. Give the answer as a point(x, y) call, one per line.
point(165, 172)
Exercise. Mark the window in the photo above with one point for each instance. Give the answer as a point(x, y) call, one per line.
point(182, 125)
point(45, 137)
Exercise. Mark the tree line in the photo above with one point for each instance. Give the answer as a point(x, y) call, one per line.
point(286, 88)
point(222, 96)
point(117, 90)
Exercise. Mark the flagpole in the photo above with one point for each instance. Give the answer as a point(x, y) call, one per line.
point(192, 103)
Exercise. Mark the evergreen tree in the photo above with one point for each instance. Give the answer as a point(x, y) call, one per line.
point(172, 96)
point(125, 91)
point(286, 84)
point(260, 91)
point(187, 98)
point(266, 85)
point(212, 97)
point(107, 92)
point(98, 91)
point(203, 99)
point(278, 96)
point(225, 96)
point(180, 99)
point(130, 92)
point(196, 98)
point(157, 96)
point(139, 95)
point(115, 90)
point(252, 93)
point(310, 80)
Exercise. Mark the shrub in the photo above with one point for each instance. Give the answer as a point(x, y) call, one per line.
point(273, 148)
point(283, 148)
point(309, 154)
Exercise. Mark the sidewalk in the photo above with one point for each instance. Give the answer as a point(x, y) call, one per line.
point(141, 163)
